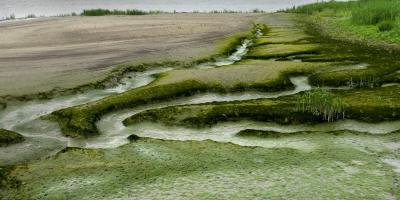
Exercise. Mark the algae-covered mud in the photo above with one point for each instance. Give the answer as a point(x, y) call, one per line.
point(288, 114)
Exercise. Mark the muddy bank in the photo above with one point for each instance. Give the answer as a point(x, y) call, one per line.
point(42, 54)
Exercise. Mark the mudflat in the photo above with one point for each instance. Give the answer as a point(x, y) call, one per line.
point(41, 54)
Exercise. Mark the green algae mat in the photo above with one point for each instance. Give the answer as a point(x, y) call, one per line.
point(310, 164)
point(341, 165)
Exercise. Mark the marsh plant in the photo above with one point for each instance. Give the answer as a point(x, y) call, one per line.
point(321, 102)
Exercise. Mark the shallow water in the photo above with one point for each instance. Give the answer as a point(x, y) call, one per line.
point(226, 132)
point(45, 138)
point(390, 84)
point(236, 56)
point(22, 8)
point(114, 133)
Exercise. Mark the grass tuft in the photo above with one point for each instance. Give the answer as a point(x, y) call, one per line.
point(322, 103)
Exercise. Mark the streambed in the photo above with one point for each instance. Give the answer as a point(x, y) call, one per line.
point(44, 137)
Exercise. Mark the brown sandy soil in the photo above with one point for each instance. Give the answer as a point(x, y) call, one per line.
point(38, 55)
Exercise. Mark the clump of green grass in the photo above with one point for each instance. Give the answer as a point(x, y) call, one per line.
point(103, 12)
point(370, 12)
point(322, 103)
point(385, 26)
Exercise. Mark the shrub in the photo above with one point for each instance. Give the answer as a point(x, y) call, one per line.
point(385, 26)
point(11, 17)
point(321, 103)
point(31, 16)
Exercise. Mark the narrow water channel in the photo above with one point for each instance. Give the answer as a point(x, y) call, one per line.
point(44, 138)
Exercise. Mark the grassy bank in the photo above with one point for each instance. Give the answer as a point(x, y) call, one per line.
point(9, 137)
point(374, 21)
point(370, 105)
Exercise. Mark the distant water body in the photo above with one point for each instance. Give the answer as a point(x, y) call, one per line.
point(23, 8)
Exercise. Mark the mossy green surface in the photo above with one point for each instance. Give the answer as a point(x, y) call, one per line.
point(371, 105)
point(9, 137)
point(258, 75)
point(280, 50)
point(348, 166)
point(282, 35)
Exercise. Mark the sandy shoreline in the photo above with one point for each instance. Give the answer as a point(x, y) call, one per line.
point(39, 55)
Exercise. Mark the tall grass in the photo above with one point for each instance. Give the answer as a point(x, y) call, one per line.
point(370, 12)
point(321, 6)
point(322, 103)
point(385, 14)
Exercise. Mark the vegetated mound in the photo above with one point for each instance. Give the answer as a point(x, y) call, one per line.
point(370, 105)
point(9, 137)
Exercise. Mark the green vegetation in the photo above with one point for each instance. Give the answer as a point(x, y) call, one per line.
point(280, 50)
point(321, 6)
point(9, 137)
point(6, 180)
point(256, 75)
point(260, 74)
point(252, 133)
point(322, 103)
point(80, 120)
point(133, 138)
point(370, 105)
point(371, 12)
point(351, 167)
point(103, 12)
point(11, 17)
point(299, 165)
point(375, 21)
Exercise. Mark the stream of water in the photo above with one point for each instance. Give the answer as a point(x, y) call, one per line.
point(44, 138)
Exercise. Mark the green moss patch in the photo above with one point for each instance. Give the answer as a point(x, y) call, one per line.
point(371, 105)
point(279, 35)
point(341, 167)
point(9, 137)
point(247, 72)
point(281, 50)
point(260, 75)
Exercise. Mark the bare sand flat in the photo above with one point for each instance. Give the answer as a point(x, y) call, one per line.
point(38, 55)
